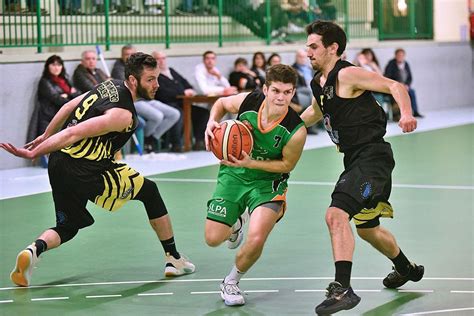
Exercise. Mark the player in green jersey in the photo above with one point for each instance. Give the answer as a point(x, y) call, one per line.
point(256, 185)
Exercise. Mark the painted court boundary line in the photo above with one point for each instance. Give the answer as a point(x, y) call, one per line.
point(408, 186)
point(212, 280)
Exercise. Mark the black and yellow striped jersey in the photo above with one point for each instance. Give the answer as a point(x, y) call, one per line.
point(106, 95)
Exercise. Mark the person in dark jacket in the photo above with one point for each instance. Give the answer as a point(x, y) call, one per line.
point(87, 75)
point(54, 90)
point(399, 70)
point(118, 71)
point(172, 84)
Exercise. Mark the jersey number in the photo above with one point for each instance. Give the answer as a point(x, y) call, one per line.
point(86, 104)
point(277, 141)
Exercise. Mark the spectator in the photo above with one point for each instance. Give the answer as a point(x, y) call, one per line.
point(70, 7)
point(259, 65)
point(367, 59)
point(274, 59)
point(242, 77)
point(328, 10)
point(87, 75)
point(210, 82)
point(399, 70)
point(118, 71)
point(172, 84)
point(305, 75)
point(54, 90)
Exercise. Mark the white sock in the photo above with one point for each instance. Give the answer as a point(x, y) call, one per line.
point(234, 275)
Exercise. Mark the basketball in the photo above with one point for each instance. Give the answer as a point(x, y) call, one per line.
point(230, 139)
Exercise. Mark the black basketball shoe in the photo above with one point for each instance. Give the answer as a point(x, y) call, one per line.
point(337, 299)
point(395, 279)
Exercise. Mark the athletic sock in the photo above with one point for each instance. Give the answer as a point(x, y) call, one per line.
point(343, 273)
point(170, 247)
point(234, 274)
point(401, 263)
point(41, 246)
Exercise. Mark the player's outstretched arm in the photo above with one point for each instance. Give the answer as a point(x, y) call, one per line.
point(114, 120)
point(312, 114)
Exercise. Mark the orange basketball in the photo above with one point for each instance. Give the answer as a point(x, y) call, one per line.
point(230, 139)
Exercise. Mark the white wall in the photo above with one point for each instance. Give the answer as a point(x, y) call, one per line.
point(451, 20)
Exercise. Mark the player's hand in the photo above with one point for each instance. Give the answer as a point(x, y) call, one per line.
point(234, 162)
point(407, 123)
point(19, 152)
point(34, 143)
point(209, 133)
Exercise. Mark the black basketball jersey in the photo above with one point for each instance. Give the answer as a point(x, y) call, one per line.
point(106, 95)
point(349, 122)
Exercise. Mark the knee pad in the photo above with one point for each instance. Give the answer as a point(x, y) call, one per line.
point(65, 233)
point(151, 198)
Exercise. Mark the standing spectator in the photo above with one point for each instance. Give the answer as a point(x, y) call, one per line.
point(259, 65)
point(210, 82)
point(242, 77)
point(87, 75)
point(118, 71)
point(172, 84)
point(399, 70)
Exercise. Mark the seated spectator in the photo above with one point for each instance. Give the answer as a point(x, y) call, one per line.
point(172, 84)
point(367, 60)
point(118, 71)
point(259, 65)
point(305, 75)
point(242, 77)
point(87, 75)
point(54, 90)
point(274, 59)
point(210, 82)
point(399, 70)
point(159, 118)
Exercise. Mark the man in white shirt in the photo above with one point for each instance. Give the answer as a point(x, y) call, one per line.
point(209, 81)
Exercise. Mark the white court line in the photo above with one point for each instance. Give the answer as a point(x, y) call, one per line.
point(441, 311)
point(262, 291)
point(463, 292)
point(408, 186)
point(212, 280)
point(104, 296)
point(49, 298)
point(155, 294)
point(416, 291)
point(6, 301)
point(355, 290)
point(205, 292)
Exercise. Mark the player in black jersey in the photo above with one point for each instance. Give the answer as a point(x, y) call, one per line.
point(356, 124)
point(82, 139)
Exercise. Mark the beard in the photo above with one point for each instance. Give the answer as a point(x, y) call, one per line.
point(142, 92)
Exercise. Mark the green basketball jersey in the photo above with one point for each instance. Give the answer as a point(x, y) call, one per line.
point(267, 144)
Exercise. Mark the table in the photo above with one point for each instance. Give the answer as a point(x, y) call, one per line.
point(187, 106)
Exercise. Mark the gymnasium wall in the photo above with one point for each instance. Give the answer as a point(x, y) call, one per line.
point(442, 72)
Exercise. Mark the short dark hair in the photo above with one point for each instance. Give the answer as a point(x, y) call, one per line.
point(330, 33)
point(137, 62)
point(51, 60)
point(207, 52)
point(399, 50)
point(240, 60)
point(281, 73)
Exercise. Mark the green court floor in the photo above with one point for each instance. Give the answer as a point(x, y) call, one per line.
point(116, 266)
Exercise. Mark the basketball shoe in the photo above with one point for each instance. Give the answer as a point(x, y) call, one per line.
point(395, 279)
point(25, 262)
point(177, 267)
point(337, 299)
point(231, 293)
point(237, 235)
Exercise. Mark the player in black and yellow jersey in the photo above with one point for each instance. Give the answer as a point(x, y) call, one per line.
point(356, 124)
point(82, 139)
